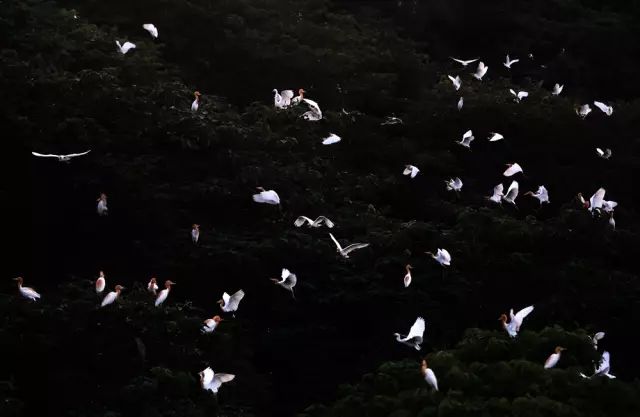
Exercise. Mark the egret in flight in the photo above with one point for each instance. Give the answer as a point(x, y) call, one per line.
point(513, 327)
point(602, 369)
point(300, 221)
point(608, 110)
point(60, 158)
point(464, 62)
point(442, 256)
point(314, 112)
point(466, 140)
point(480, 71)
point(230, 303)
point(606, 154)
point(541, 194)
point(457, 82)
point(497, 195)
point(410, 170)
point(508, 62)
point(287, 282)
point(414, 338)
point(126, 47)
point(212, 381)
point(345, 252)
point(151, 28)
point(267, 197)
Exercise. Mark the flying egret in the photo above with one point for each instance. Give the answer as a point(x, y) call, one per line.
point(102, 208)
point(407, 277)
point(126, 47)
point(480, 71)
point(230, 303)
point(414, 338)
point(267, 197)
point(100, 283)
point(287, 282)
point(211, 324)
point(512, 169)
point(460, 103)
point(301, 220)
point(553, 359)
point(606, 154)
point(541, 194)
point(513, 327)
point(557, 89)
point(314, 112)
point(391, 120)
point(466, 140)
point(508, 62)
point(519, 95)
point(112, 296)
point(608, 110)
point(583, 110)
point(428, 375)
point(608, 206)
point(410, 170)
point(603, 368)
point(493, 137)
point(457, 82)
point(150, 27)
point(454, 184)
point(282, 100)
point(512, 193)
point(345, 252)
point(196, 102)
point(464, 62)
point(442, 256)
point(60, 158)
point(595, 202)
point(212, 381)
point(331, 139)
point(497, 195)
point(162, 296)
point(27, 292)
point(195, 233)
point(152, 286)
point(597, 337)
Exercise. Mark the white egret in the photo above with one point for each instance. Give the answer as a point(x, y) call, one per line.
point(60, 158)
point(442, 256)
point(112, 296)
point(508, 62)
point(603, 368)
point(513, 327)
point(583, 110)
point(466, 140)
point(557, 89)
point(407, 277)
point(211, 324)
point(497, 195)
point(151, 28)
point(267, 197)
point(541, 194)
point(410, 170)
point(553, 359)
point(331, 139)
point(414, 338)
point(100, 283)
point(301, 220)
point(345, 252)
point(608, 110)
point(428, 375)
point(196, 103)
point(606, 154)
point(162, 296)
point(392, 120)
point(519, 95)
point(595, 202)
point(480, 71)
point(454, 184)
point(230, 303)
point(512, 169)
point(152, 286)
point(512, 193)
point(314, 112)
point(126, 47)
point(212, 381)
point(283, 99)
point(195, 233)
point(460, 103)
point(298, 99)
point(288, 281)
point(494, 136)
point(102, 208)
point(464, 62)
point(457, 82)
point(596, 338)
point(27, 292)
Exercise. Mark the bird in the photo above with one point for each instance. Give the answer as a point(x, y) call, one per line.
point(162, 296)
point(230, 303)
point(414, 338)
point(60, 158)
point(454, 184)
point(410, 170)
point(152, 286)
point(211, 324)
point(497, 195)
point(331, 139)
point(519, 95)
point(391, 120)
point(508, 62)
point(595, 202)
point(282, 100)
point(553, 359)
point(314, 112)
point(608, 110)
point(541, 194)
point(196, 102)
point(287, 282)
point(608, 206)
point(583, 110)
point(100, 283)
point(512, 169)
point(428, 375)
point(493, 137)
point(301, 220)
point(267, 197)
point(557, 89)
point(297, 99)
point(126, 47)
point(150, 27)
point(112, 296)
point(407, 277)
point(597, 337)
point(345, 252)
point(27, 292)
point(513, 327)
point(195, 233)
point(464, 62)
point(466, 140)
point(512, 193)
point(212, 381)
point(456, 81)
point(603, 368)
point(102, 208)
point(480, 71)
point(606, 154)
point(442, 256)
point(460, 103)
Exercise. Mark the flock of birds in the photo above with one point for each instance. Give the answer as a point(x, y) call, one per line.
point(285, 99)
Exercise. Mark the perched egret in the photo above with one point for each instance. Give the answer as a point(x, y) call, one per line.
point(196, 103)
point(230, 303)
point(512, 169)
point(603, 368)
point(126, 47)
point(102, 208)
point(466, 140)
point(454, 184)
point(60, 158)
point(211, 324)
point(460, 103)
point(414, 338)
point(597, 337)
point(410, 170)
point(519, 95)
point(457, 82)
point(541, 194)
point(152, 286)
point(428, 375)
point(195, 233)
point(150, 27)
point(162, 296)
point(287, 282)
point(212, 381)
point(513, 327)
point(26, 292)
point(493, 137)
point(606, 154)
point(100, 283)
point(553, 359)
point(301, 220)
point(442, 256)
point(608, 110)
point(480, 71)
point(345, 252)
point(497, 195)
point(298, 99)
point(508, 62)
point(112, 296)
point(267, 197)
point(557, 89)
point(283, 99)
point(331, 139)
point(407, 277)
point(595, 202)
point(464, 62)
point(314, 112)
point(512, 193)
point(583, 110)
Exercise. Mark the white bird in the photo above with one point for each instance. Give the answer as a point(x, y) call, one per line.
point(126, 47)
point(102, 208)
point(162, 296)
point(391, 120)
point(442, 256)
point(603, 369)
point(457, 82)
point(608, 110)
point(230, 303)
point(583, 110)
point(100, 283)
point(612, 221)
point(112, 296)
point(314, 112)
point(267, 197)
point(410, 170)
point(466, 140)
point(557, 89)
point(519, 95)
point(480, 71)
point(345, 252)
point(287, 282)
point(493, 137)
point(454, 184)
point(60, 158)
point(212, 381)
point(152, 286)
point(301, 220)
point(606, 154)
point(508, 62)
point(597, 337)
point(513, 327)
point(512, 193)
point(608, 206)
point(195, 233)
point(150, 27)
point(196, 102)
point(512, 169)
point(331, 139)
point(282, 100)
point(460, 103)
point(298, 99)
point(414, 338)
point(463, 62)
point(553, 359)
point(428, 375)
point(211, 324)
point(407, 277)
point(595, 202)
point(26, 292)
point(541, 194)
point(497, 195)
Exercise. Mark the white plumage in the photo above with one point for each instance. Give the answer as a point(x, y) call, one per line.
point(126, 47)
point(429, 375)
point(27, 292)
point(466, 140)
point(515, 321)
point(230, 303)
point(282, 100)
point(583, 110)
point(597, 337)
point(416, 333)
point(442, 256)
point(314, 112)
point(460, 103)
point(493, 137)
point(112, 296)
point(407, 277)
point(457, 82)
point(162, 296)
point(410, 170)
point(100, 283)
point(497, 195)
point(512, 193)
point(454, 184)
point(557, 89)
point(151, 28)
point(604, 154)
point(508, 62)
point(345, 251)
point(331, 139)
point(480, 71)
point(541, 194)
point(288, 281)
point(102, 208)
point(553, 359)
point(512, 169)
point(266, 197)
point(301, 220)
point(519, 95)
point(60, 158)
point(603, 368)
point(608, 110)
point(464, 62)
point(212, 381)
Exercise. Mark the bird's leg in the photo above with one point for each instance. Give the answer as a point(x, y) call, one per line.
point(292, 294)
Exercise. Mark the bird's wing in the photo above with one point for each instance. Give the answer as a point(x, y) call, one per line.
point(520, 315)
point(354, 246)
point(515, 60)
point(287, 94)
point(225, 298)
point(328, 222)
point(513, 92)
point(417, 330)
point(600, 151)
point(446, 254)
point(301, 220)
point(45, 155)
point(291, 280)
point(522, 94)
point(596, 199)
point(285, 273)
point(457, 182)
point(513, 169)
point(72, 155)
point(407, 170)
point(224, 377)
point(235, 299)
point(512, 192)
point(601, 106)
point(453, 80)
point(498, 190)
point(460, 61)
point(312, 105)
point(604, 363)
point(335, 241)
point(598, 336)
